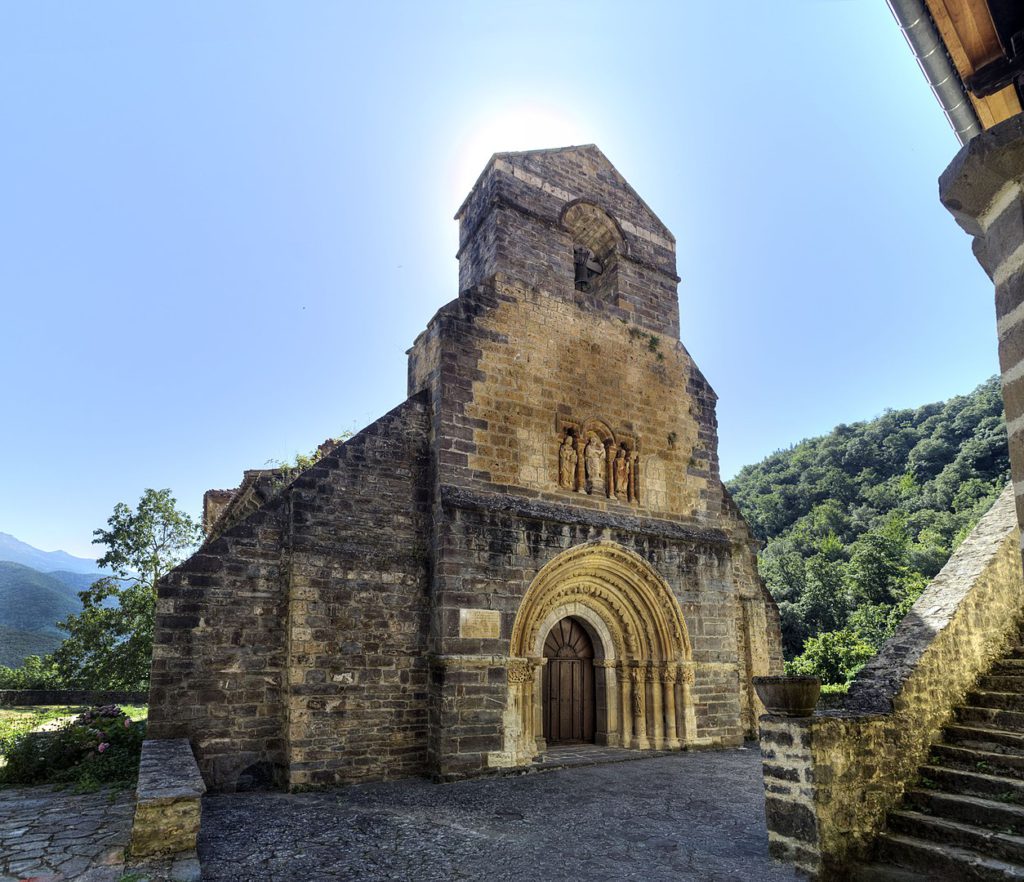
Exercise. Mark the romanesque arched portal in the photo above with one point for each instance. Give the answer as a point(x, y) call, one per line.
point(642, 661)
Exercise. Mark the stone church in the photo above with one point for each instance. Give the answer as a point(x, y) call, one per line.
point(534, 548)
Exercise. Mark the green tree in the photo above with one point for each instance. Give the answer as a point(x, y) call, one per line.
point(835, 656)
point(34, 673)
point(110, 642)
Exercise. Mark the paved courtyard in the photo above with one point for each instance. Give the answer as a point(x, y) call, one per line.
point(48, 835)
point(688, 816)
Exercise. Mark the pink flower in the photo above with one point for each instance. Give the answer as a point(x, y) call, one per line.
point(103, 747)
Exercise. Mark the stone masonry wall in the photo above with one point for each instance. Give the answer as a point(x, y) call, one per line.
point(218, 674)
point(509, 363)
point(290, 648)
point(831, 779)
point(359, 606)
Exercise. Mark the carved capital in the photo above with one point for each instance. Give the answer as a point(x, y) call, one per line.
point(687, 676)
point(519, 671)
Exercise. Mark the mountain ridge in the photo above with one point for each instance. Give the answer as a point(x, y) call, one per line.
point(14, 550)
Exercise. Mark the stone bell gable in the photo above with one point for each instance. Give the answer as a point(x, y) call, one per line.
point(531, 214)
point(536, 547)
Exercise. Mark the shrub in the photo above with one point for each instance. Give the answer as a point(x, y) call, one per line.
point(99, 747)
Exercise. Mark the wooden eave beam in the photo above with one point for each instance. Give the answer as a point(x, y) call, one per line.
point(970, 36)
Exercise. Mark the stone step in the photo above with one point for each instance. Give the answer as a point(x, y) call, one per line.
point(984, 737)
point(974, 760)
point(1011, 666)
point(1007, 700)
point(881, 873)
point(974, 783)
point(1015, 652)
point(1002, 682)
point(992, 716)
point(1007, 817)
point(991, 843)
point(936, 861)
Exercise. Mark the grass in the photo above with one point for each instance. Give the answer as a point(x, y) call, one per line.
point(16, 720)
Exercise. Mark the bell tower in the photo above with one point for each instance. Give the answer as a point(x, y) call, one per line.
point(566, 222)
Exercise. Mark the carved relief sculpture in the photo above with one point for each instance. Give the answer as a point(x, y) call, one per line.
point(622, 474)
point(634, 477)
point(567, 462)
point(638, 692)
point(598, 461)
point(595, 456)
point(519, 671)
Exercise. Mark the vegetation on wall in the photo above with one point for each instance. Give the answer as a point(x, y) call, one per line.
point(858, 521)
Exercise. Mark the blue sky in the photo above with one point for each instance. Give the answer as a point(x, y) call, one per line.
point(222, 224)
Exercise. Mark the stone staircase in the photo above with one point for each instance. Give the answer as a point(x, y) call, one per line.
point(964, 819)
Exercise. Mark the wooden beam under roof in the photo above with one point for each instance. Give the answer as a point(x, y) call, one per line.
point(970, 36)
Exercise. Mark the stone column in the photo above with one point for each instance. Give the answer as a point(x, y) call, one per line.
point(626, 693)
point(668, 679)
point(654, 679)
point(536, 714)
point(687, 679)
point(982, 189)
point(637, 675)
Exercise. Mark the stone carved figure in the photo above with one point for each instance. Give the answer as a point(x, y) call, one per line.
point(567, 458)
point(594, 456)
point(622, 474)
point(638, 688)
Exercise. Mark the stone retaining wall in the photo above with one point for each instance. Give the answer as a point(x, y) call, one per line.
point(831, 779)
point(26, 697)
point(168, 800)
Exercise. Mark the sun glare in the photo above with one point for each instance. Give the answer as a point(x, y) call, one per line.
point(519, 127)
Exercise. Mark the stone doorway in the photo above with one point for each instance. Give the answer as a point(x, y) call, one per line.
point(641, 659)
point(568, 690)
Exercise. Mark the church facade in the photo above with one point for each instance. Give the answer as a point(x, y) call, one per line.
point(534, 548)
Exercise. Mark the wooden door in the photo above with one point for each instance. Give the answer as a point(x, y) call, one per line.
point(568, 684)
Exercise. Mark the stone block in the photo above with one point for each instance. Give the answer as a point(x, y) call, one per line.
point(168, 800)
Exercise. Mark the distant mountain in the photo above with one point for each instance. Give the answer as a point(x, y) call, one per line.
point(34, 601)
point(16, 645)
point(16, 551)
point(75, 582)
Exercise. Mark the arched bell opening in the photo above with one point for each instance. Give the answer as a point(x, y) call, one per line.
point(597, 243)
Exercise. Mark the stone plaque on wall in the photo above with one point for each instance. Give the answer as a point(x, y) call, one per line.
point(480, 623)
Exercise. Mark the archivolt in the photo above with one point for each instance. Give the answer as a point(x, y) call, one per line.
point(637, 605)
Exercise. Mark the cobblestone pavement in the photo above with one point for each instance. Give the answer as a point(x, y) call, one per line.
point(51, 836)
point(688, 816)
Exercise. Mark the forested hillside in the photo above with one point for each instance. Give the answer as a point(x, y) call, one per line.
point(31, 604)
point(858, 521)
